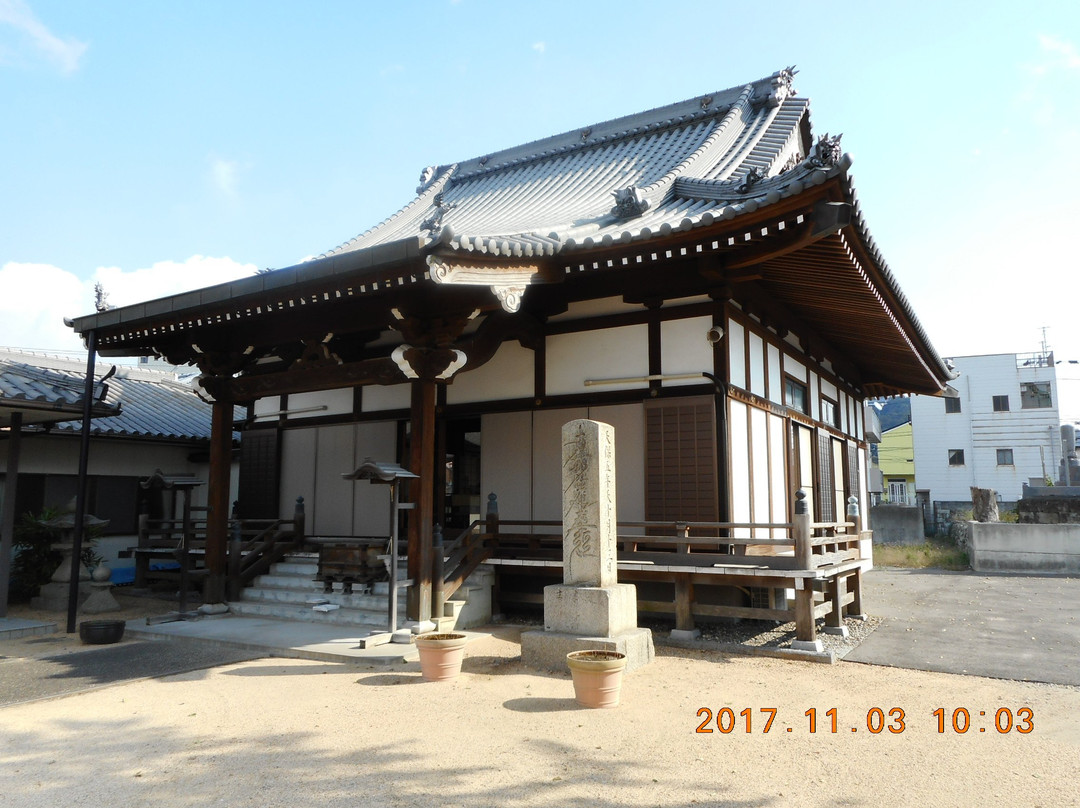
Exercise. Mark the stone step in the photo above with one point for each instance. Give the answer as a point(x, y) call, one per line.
point(298, 567)
point(356, 600)
point(299, 612)
point(290, 581)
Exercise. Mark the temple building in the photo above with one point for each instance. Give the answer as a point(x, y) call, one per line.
point(698, 275)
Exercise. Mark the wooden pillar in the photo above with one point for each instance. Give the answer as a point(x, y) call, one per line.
point(855, 609)
point(684, 600)
point(805, 632)
point(834, 620)
point(217, 501)
point(422, 517)
point(7, 520)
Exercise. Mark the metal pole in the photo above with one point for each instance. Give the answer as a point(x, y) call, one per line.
point(80, 496)
point(393, 556)
point(7, 521)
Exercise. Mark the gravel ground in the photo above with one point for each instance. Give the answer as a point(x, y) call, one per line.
point(275, 732)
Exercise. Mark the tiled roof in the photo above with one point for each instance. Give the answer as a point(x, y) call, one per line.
point(151, 404)
point(688, 161)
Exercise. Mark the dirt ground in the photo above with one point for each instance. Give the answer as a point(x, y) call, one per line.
point(275, 732)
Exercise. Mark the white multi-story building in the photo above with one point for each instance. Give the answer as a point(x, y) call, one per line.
point(1000, 431)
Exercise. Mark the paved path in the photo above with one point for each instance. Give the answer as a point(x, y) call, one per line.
point(1001, 625)
point(26, 678)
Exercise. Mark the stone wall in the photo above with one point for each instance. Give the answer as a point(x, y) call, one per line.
point(1049, 510)
point(1003, 547)
point(897, 524)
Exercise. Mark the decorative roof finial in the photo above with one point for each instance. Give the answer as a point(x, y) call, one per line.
point(782, 86)
point(826, 151)
point(433, 223)
point(752, 178)
point(629, 202)
point(427, 176)
point(101, 298)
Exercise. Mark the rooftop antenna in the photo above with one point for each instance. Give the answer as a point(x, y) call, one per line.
point(1045, 345)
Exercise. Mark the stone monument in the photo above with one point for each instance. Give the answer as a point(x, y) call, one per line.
point(590, 610)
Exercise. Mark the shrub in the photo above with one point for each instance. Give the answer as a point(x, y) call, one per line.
point(35, 559)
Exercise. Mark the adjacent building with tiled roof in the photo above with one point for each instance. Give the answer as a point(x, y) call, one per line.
point(143, 420)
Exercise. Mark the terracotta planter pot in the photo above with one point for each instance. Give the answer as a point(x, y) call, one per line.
point(597, 677)
point(441, 655)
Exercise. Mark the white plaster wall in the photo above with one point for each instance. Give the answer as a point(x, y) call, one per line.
point(815, 397)
point(508, 374)
point(828, 389)
point(762, 477)
point(776, 384)
point(336, 402)
point(778, 471)
point(547, 460)
point(266, 408)
point(757, 365)
point(298, 472)
point(506, 462)
point(738, 422)
point(594, 308)
point(335, 448)
point(602, 354)
point(736, 342)
point(629, 423)
point(794, 368)
point(370, 501)
point(684, 349)
point(378, 397)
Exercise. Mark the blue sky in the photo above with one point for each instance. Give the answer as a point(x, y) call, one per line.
point(168, 145)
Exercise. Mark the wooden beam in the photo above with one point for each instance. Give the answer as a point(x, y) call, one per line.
point(311, 379)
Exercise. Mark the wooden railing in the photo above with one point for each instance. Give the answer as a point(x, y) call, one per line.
point(254, 545)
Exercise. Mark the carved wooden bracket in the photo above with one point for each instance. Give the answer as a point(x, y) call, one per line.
point(428, 363)
point(507, 280)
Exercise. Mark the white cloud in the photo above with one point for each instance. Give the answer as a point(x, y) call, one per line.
point(64, 53)
point(1062, 53)
point(37, 297)
point(223, 174)
point(1054, 54)
point(539, 47)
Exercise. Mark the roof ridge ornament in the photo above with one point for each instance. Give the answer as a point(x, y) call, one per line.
point(751, 178)
point(630, 202)
point(782, 86)
point(826, 151)
point(427, 177)
point(433, 223)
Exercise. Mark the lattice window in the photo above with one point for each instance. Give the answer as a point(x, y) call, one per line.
point(680, 461)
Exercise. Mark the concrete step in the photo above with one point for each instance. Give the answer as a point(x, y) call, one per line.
point(300, 567)
point(356, 600)
point(288, 580)
point(300, 612)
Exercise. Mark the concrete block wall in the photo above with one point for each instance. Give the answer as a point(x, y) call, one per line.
point(1004, 547)
point(897, 524)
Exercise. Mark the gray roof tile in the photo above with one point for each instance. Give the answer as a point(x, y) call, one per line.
point(153, 404)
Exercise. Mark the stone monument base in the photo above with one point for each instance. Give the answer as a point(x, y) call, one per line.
point(590, 611)
point(547, 650)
